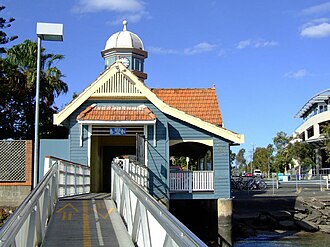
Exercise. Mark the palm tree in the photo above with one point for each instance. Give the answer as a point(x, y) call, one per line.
point(19, 80)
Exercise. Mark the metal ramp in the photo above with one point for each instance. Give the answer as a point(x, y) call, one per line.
point(60, 211)
point(87, 220)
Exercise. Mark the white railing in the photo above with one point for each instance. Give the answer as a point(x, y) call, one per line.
point(190, 181)
point(137, 171)
point(324, 171)
point(148, 222)
point(28, 225)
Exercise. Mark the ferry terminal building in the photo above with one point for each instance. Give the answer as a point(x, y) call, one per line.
point(118, 114)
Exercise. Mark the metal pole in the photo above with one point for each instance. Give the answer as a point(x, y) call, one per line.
point(273, 183)
point(36, 122)
point(297, 183)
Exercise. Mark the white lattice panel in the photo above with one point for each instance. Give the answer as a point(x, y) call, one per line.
point(12, 161)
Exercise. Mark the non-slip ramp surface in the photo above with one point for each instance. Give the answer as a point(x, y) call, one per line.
point(86, 222)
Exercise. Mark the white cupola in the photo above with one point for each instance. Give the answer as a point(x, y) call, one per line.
point(127, 47)
point(124, 39)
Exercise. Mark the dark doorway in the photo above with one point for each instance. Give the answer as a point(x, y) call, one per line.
point(110, 152)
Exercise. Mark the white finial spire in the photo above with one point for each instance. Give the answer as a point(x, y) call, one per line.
point(125, 25)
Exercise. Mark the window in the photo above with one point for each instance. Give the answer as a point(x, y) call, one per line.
point(302, 136)
point(322, 126)
point(310, 132)
point(137, 64)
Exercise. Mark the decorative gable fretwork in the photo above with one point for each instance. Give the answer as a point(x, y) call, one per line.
point(117, 85)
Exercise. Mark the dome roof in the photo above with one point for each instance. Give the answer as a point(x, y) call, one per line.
point(124, 39)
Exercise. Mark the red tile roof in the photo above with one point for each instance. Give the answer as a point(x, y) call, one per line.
point(198, 102)
point(117, 113)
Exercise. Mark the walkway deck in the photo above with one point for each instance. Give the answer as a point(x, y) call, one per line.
point(88, 220)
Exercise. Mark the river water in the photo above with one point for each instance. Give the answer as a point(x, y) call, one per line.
point(287, 239)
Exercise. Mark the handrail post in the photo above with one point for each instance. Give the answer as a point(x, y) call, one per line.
point(190, 179)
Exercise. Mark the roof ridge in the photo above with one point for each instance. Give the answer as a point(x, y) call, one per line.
point(208, 88)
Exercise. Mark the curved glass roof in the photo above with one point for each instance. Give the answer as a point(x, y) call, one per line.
point(317, 98)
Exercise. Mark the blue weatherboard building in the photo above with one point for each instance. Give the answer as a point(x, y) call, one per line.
point(118, 114)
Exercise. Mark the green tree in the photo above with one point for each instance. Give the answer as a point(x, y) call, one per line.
point(326, 135)
point(18, 91)
point(4, 39)
point(283, 157)
point(302, 153)
point(232, 157)
point(291, 151)
point(262, 158)
point(240, 159)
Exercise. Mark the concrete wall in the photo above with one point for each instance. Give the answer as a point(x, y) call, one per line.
point(14, 195)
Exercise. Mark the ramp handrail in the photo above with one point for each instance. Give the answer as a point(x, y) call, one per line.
point(148, 222)
point(27, 226)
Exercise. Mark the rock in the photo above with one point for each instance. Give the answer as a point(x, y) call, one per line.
point(287, 224)
point(313, 216)
point(325, 228)
point(317, 205)
point(300, 206)
point(280, 215)
point(325, 212)
point(299, 216)
point(262, 217)
point(307, 226)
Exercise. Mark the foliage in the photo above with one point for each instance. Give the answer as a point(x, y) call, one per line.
point(326, 135)
point(281, 140)
point(18, 80)
point(240, 159)
point(5, 213)
point(303, 153)
point(262, 158)
point(290, 150)
point(4, 39)
point(283, 157)
point(232, 157)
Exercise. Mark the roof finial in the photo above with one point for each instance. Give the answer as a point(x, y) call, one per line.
point(125, 25)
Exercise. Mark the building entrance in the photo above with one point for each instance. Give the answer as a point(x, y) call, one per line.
point(103, 150)
point(109, 153)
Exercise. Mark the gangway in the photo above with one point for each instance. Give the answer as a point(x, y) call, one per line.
point(62, 211)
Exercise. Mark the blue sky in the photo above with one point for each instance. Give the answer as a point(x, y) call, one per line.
point(266, 57)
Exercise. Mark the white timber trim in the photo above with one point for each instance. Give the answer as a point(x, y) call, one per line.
point(155, 135)
point(81, 134)
point(146, 145)
point(208, 142)
point(89, 141)
point(117, 123)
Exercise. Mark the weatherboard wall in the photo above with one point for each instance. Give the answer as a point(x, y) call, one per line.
point(180, 130)
point(167, 128)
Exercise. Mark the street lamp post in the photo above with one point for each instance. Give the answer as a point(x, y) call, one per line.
point(50, 32)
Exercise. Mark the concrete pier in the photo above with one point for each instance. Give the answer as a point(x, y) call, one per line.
point(225, 211)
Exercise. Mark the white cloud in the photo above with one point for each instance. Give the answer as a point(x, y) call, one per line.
point(85, 6)
point(256, 43)
point(162, 51)
point(131, 10)
point(317, 28)
point(199, 48)
point(243, 44)
point(296, 74)
point(317, 9)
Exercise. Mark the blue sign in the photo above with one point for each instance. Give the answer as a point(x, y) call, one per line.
point(117, 131)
